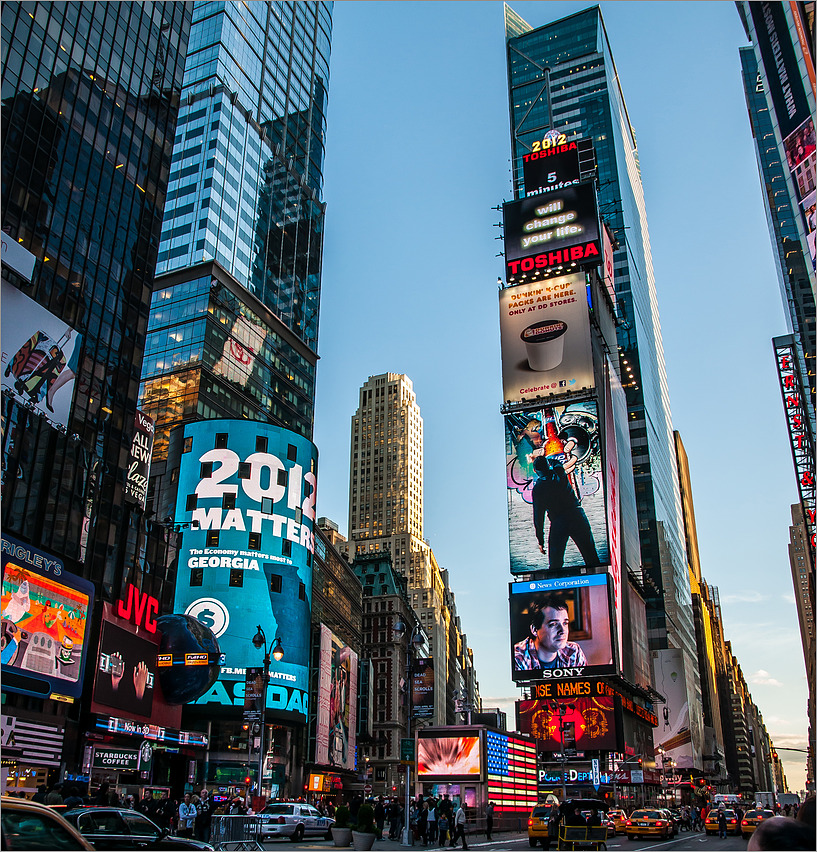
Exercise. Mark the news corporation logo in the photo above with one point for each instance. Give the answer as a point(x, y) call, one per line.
point(211, 613)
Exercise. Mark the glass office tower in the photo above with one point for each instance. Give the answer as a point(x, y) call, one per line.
point(240, 258)
point(562, 76)
point(90, 96)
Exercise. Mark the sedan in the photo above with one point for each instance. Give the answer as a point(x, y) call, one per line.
point(27, 825)
point(295, 820)
point(752, 819)
point(120, 828)
point(648, 822)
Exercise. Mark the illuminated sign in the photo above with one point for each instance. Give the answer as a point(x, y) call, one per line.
point(422, 688)
point(510, 764)
point(126, 670)
point(550, 777)
point(316, 783)
point(448, 757)
point(590, 687)
point(560, 229)
point(800, 437)
point(141, 452)
point(337, 703)
point(560, 628)
point(586, 723)
point(45, 612)
point(155, 733)
point(550, 168)
point(248, 492)
point(140, 608)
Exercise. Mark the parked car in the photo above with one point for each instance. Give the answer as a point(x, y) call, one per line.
point(648, 822)
point(752, 819)
point(121, 828)
point(295, 820)
point(27, 825)
point(711, 823)
point(542, 824)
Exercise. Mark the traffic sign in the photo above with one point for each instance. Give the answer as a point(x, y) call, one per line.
point(594, 769)
point(367, 789)
point(407, 749)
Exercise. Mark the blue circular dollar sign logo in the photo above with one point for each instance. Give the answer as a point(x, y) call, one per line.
point(211, 613)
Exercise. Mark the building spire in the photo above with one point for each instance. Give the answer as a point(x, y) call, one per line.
point(514, 25)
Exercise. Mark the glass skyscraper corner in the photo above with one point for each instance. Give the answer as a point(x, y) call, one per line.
point(562, 76)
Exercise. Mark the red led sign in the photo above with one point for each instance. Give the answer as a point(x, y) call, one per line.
point(141, 609)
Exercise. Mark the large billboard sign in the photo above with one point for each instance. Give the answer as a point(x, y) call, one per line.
point(680, 727)
point(40, 357)
point(126, 671)
point(248, 491)
point(560, 628)
point(587, 723)
point(141, 452)
point(45, 612)
point(439, 757)
point(556, 510)
point(422, 688)
point(554, 232)
point(551, 166)
point(544, 328)
point(337, 703)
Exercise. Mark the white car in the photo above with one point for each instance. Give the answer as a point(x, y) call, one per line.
point(295, 820)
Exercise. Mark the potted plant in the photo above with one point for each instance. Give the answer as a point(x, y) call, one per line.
point(341, 830)
point(363, 835)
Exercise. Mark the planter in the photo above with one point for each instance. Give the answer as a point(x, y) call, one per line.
point(363, 839)
point(342, 836)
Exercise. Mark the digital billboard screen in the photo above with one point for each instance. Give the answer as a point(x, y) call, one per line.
point(448, 757)
point(546, 233)
point(126, 671)
point(555, 488)
point(551, 167)
point(560, 628)
point(587, 723)
point(248, 491)
point(45, 613)
point(337, 703)
point(544, 331)
point(422, 688)
point(40, 356)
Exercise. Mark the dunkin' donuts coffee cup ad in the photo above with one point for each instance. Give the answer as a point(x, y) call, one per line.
point(545, 338)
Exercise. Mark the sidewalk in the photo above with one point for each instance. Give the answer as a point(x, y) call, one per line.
point(474, 839)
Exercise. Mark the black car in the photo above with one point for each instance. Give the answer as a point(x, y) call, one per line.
point(120, 828)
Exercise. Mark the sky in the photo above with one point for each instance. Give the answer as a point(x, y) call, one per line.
point(417, 158)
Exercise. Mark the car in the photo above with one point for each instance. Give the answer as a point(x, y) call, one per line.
point(752, 819)
point(674, 820)
point(711, 822)
point(648, 822)
point(619, 819)
point(28, 825)
point(542, 824)
point(121, 828)
point(295, 820)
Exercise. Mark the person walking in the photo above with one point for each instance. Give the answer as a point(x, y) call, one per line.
point(489, 820)
point(721, 823)
point(379, 817)
point(187, 817)
point(432, 820)
point(459, 828)
point(442, 827)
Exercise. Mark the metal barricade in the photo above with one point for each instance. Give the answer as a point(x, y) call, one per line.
point(235, 832)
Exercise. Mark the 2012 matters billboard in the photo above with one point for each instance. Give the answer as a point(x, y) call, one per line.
point(248, 491)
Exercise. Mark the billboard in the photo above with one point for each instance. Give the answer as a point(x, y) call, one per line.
point(40, 356)
point(240, 349)
point(546, 233)
point(45, 613)
point(141, 452)
point(560, 628)
point(550, 166)
point(678, 729)
point(337, 703)
point(126, 671)
point(448, 757)
point(588, 723)
point(544, 330)
point(422, 688)
point(556, 508)
point(248, 492)
point(611, 476)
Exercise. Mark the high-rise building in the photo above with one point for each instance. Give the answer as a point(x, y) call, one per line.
point(90, 97)
point(234, 319)
point(562, 77)
point(386, 516)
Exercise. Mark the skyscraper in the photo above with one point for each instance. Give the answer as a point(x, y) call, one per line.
point(90, 97)
point(562, 77)
point(234, 320)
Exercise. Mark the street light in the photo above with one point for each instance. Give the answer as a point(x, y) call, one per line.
point(414, 643)
point(561, 709)
point(259, 641)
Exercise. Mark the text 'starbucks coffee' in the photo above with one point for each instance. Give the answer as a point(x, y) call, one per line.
point(544, 344)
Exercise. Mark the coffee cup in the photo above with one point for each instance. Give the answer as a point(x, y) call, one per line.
point(544, 343)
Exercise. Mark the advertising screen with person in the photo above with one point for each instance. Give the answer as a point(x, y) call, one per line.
point(337, 703)
point(556, 506)
point(126, 671)
point(560, 628)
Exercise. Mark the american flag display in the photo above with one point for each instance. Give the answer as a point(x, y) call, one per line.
point(512, 775)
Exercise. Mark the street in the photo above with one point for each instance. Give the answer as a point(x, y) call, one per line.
point(510, 840)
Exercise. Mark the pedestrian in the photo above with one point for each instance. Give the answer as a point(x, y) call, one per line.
point(442, 827)
point(379, 817)
point(422, 823)
point(459, 827)
point(394, 820)
point(721, 823)
point(40, 795)
point(432, 820)
point(489, 820)
point(54, 796)
point(204, 817)
point(144, 804)
point(187, 817)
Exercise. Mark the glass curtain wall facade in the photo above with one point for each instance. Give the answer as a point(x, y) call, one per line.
point(245, 192)
point(90, 95)
point(562, 76)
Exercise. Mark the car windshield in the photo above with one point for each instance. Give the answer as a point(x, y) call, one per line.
point(279, 810)
point(646, 815)
point(542, 811)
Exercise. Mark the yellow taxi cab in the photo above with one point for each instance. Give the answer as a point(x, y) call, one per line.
point(619, 819)
point(752, 819)
point(542, 824)
point(647, 822)
point(711, 823)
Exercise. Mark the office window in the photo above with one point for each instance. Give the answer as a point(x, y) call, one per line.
point(276, 583)
point(236, 576)
point(221, 440)
point(212, 538)
point(254, 542)
point(196, 576)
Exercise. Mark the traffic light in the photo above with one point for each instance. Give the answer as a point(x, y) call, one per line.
point(247, 780)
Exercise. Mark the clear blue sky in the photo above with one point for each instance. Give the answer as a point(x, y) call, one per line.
point(417, 156)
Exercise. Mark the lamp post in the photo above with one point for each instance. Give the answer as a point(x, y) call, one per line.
point(259, 641)
point(416, 639)
point(561, 709)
